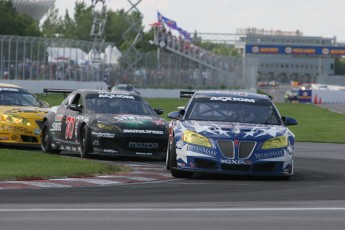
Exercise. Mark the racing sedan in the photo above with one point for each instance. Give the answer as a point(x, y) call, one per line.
point(21, 116)
point(107, 123)
point(230, 133)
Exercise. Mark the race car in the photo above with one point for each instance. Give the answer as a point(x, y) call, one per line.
point(21, 116)
point(229, 133)
point(125, 87)
point(106, 123)
point(291, 95)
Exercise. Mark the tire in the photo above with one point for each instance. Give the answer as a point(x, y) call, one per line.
point(167, 159)
point(85, 142)
point(173, 163)
point(46, 140)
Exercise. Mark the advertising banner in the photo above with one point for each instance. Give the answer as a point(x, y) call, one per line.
point(295, 50)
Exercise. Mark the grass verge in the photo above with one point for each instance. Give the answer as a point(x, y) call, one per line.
point(27, 165)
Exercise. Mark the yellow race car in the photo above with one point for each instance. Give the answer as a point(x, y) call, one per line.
point(21, 116)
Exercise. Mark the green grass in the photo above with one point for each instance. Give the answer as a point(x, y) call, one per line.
point(26, 164)
point(315, 124)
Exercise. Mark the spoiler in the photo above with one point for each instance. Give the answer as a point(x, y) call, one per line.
point(64, 91)
point(186, 94)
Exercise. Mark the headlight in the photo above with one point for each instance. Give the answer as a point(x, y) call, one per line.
point(194, 138)
point(108, 127)
point(277, 142)
point(10, 118)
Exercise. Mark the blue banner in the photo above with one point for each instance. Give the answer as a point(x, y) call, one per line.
point(295, 50)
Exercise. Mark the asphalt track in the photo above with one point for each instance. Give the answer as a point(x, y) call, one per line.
point(314, 198)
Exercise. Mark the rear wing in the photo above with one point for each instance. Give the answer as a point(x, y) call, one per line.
point(64, 91)
point(186, 94)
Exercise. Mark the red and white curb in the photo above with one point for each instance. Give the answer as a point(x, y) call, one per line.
point(141, 173)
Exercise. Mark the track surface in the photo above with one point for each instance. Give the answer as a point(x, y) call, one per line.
point(314, 198)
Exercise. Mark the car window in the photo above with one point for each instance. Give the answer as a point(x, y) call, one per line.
point(17, 97)
point(114, 105)
point(233, 112)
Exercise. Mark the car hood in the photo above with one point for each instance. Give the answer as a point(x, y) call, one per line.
point(25, 112)
point(134, 121)
point(234, 130)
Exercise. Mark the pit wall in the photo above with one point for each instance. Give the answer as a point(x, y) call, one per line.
point(38, 86)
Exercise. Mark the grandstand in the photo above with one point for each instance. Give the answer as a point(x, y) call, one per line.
point(34, 8)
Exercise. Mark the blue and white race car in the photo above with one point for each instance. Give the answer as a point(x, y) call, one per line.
point(230, 133)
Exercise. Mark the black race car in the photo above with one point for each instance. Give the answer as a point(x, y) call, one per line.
point(107, 123)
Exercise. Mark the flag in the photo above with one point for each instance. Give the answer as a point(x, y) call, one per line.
point(160, 16)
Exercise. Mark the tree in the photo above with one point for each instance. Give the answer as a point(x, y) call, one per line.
point(14, 23)
point(52, 27)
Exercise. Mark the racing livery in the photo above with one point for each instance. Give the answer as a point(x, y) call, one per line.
point(21, 116)
point(107, 123)
point(230, 133)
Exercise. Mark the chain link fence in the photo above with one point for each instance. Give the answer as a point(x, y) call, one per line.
point(30, 58)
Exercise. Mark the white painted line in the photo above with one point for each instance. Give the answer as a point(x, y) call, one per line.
point(40, 184)
point(94, 181)
point(170, 209)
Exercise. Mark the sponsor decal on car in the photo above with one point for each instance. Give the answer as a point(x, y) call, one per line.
point(270, 154)
point(131, 117)
point(143, 145)
point(232, 162)
point(143, 131)
point(206, 151)
point(109, 151)
point(116, 96)
point(9, 89)
point(58, 117)
point(232, 99)
point(83, 118)
point(106, 135)
point(56, 127)
point(143, 154)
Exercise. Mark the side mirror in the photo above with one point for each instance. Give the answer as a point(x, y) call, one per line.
point(75, 107)
point(174, 115)
point(289, 121)
point(159, 111)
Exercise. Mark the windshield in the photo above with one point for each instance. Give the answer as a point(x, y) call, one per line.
point(17, 97)
point(259, 113)
point(115, 105)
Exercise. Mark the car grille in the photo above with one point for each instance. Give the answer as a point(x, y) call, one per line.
point(264, 167)
point(205, 164)
point(240, 168)
point(245, 148)
point(29, 139)
point(227, 148)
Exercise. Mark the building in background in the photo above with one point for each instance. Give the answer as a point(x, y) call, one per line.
point(286, 56)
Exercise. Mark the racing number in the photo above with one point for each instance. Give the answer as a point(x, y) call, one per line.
point(69, 127)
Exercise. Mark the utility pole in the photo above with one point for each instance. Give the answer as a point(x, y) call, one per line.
point(97, 29)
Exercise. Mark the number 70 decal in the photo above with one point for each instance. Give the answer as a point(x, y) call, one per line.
point(70, 121)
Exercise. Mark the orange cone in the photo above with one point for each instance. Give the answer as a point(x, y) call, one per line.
point(315, 99)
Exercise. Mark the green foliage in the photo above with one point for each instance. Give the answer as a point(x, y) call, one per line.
point(14, 23)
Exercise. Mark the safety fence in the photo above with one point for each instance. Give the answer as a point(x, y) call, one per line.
point(30, 58)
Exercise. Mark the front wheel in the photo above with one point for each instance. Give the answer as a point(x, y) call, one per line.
point(46, 145)
point(85, 142)
point(173, 163)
